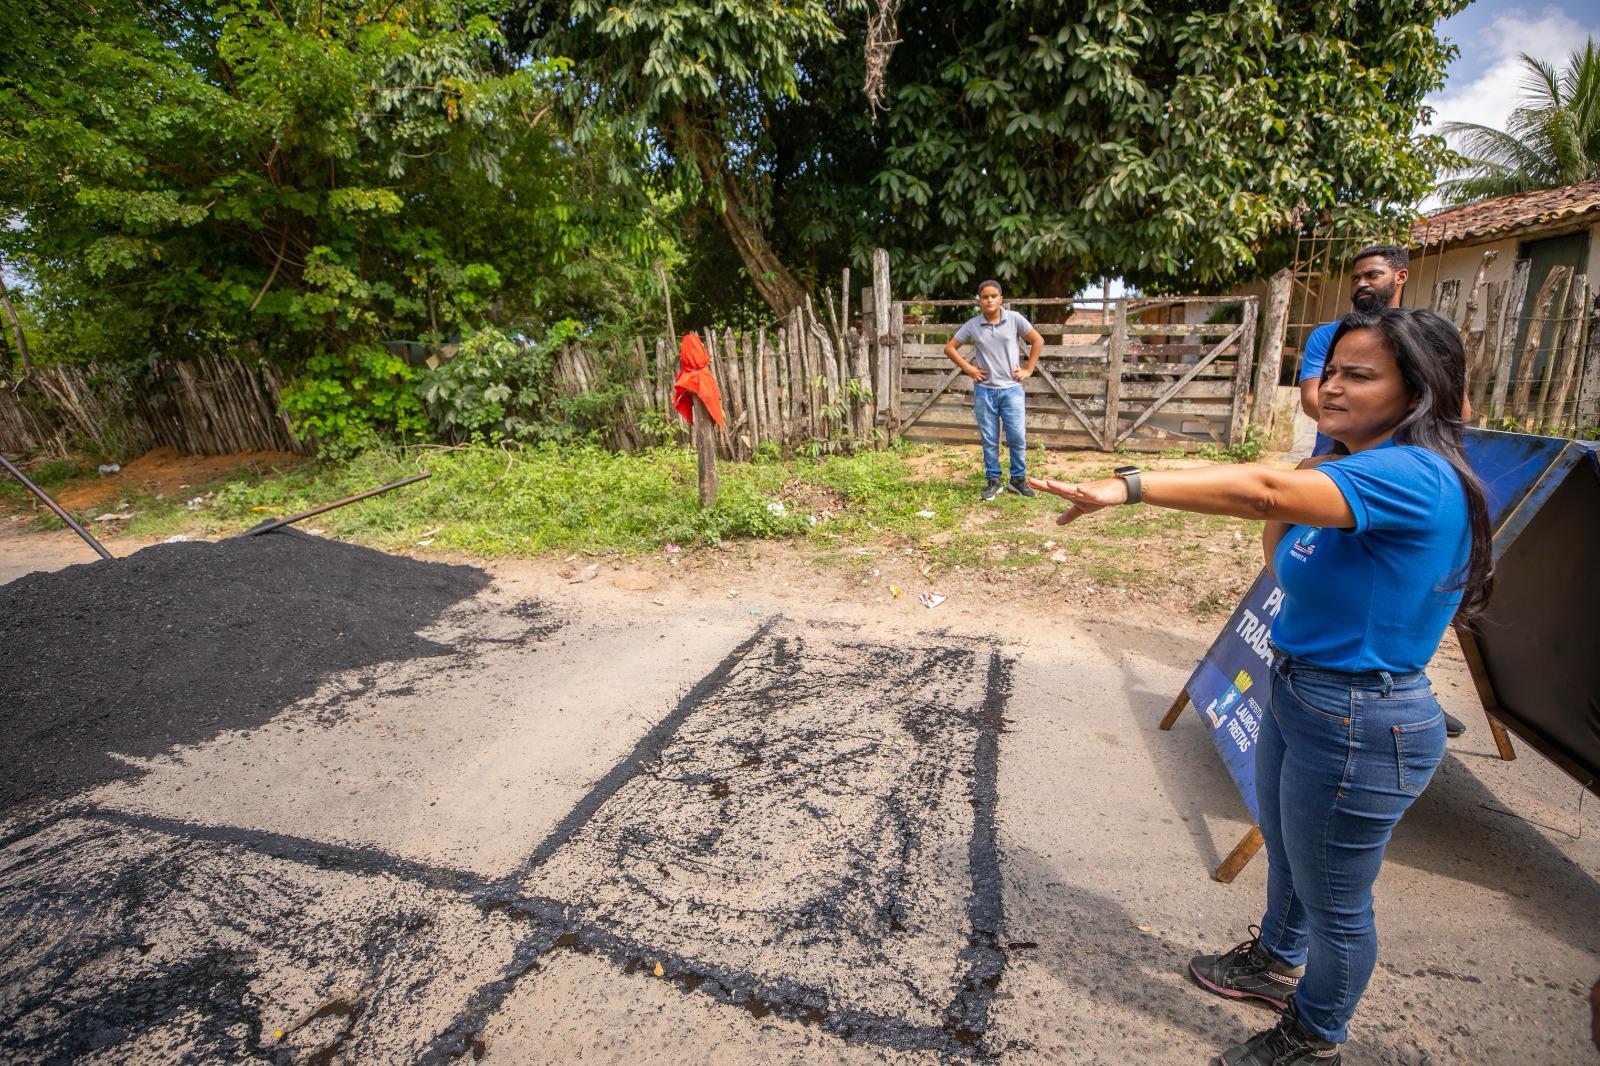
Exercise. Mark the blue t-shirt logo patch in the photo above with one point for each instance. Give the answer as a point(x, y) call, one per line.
point(1304, 544)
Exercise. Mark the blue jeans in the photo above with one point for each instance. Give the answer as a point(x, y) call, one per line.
point(993, 407)
point(1338, 761)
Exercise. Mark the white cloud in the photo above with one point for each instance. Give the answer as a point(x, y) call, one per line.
point(1486, 96)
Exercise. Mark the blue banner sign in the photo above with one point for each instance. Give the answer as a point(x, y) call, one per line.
point(1232, 685)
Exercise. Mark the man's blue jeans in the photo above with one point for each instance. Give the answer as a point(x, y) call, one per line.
point(1339, 759)
point(992, 407)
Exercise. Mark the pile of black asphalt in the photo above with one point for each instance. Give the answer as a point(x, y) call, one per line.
point(180, 642)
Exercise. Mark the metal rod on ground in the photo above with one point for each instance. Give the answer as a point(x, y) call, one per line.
point(56, 507)
point(279, 523)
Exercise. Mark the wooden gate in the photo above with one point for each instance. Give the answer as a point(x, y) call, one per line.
point(1136, 374)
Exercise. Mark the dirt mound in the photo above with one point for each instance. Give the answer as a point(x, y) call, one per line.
point(165, 471)
point(179, 642)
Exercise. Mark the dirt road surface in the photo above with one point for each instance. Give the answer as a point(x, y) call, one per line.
point(732, 810)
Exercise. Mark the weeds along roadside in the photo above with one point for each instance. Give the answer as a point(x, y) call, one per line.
point(845, 510)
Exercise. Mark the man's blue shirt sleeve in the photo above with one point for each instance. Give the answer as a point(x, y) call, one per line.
point(1315, 356)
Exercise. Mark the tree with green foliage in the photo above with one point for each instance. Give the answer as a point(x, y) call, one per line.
point(1050, 144)
point(290, 177)
point(1552, 138)
point(700, 81)
point(1043, 143)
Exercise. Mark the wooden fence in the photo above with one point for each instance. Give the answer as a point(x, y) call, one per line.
point(1539, 369)
point(209, 405)
point(799, 384)
point(1533, 364)
point(1132, 375)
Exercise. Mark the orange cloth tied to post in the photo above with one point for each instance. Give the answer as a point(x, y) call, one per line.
point(694, 379)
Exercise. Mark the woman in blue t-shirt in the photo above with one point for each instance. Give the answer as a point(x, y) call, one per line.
point(1376, 552)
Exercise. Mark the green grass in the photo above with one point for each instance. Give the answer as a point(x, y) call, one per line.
point(47, 476)
point(492, 501)
point(489, 501)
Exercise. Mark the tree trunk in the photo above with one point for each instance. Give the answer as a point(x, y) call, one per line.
point(773, 281)
point(16, 326)
point(1051, 283)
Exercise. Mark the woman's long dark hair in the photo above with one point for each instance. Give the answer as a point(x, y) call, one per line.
point(1427, 348)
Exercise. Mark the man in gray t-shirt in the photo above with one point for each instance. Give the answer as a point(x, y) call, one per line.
point(997, 393)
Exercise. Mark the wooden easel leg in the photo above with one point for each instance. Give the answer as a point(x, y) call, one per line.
point(1502, 739)
point(1242, 853)
point(1486, 694)
point(1176, 709)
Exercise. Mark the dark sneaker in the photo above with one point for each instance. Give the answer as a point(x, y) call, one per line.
point(991, 490)
point(1247, 972)
point(1453, 726)
point(1019, 485)
point(1289, 1043)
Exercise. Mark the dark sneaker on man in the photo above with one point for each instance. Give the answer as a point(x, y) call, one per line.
point(1247, 972)
point(1019, 485)
point(991, 490)
point(1453, 726)
point(1289, 1043)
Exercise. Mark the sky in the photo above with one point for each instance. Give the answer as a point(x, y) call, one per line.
point(1483, 83)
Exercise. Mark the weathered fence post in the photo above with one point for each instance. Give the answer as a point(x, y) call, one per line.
point(705, 449)
point(1446, 297)
point(1241, 373)
point(1552, 292)
point(1474, 337)
point(1587, 414)
point(880, 331)
point(1482, 376)
point(1115, 351)
point(1506, 343)
point(862, 404)
point(897, 334)
point(752, 391)
point(666, 296)
point(1567, 360)
point(1273, 327)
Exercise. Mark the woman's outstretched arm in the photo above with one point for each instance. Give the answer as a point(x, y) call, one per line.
point(1293, 497)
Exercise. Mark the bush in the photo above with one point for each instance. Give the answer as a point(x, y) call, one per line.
point(495, 390)
point(492, 389)
point(348, 402)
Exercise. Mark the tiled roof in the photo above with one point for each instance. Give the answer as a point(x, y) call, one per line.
point(1487, 218)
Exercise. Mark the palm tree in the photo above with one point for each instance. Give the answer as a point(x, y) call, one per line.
point(1552, 139)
